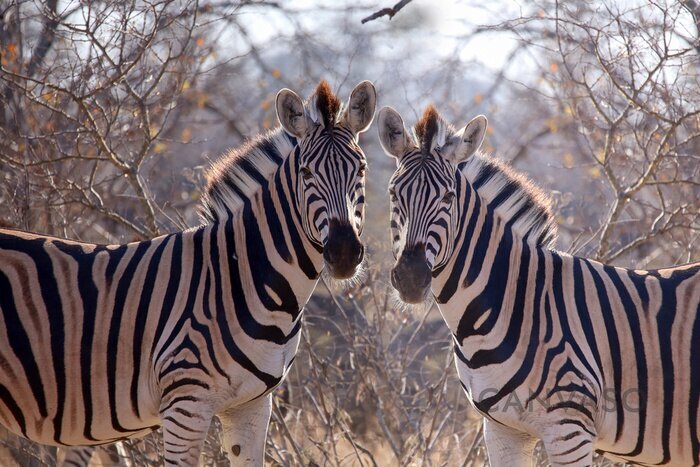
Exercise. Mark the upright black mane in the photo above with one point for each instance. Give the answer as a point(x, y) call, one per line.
point(327, 104)
point(431, 130)
point(514, 198)
point(242, 172)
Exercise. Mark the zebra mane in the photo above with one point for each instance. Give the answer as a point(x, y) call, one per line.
point(513, 196)
point(242, 172)
point(431, 130)
point(325, 106)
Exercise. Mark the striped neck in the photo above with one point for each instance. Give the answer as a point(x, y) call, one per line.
point(275, 240)
point(491, 228)
point(251, 197)
point(243, 172)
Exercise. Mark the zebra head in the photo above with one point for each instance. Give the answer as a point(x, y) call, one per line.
point(423, 192)
point(330, 169)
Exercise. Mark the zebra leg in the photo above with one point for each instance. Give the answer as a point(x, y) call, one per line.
point(78, 456)
point(507, 447)
point(184, 432)
point(569, 447)
point(245, 431)
point(81, 456)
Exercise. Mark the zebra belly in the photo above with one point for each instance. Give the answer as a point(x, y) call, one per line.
point(660, 445)
point(80, 440)
point(659, 416)
point(66, 409)
point(677, 459)
point(70, 429)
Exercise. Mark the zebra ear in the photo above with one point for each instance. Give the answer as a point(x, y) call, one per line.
point(392, 133)
point(291, 113)
point(470, 138)
point(361, 107)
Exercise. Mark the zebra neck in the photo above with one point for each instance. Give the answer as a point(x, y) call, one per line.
point(271, 253)
point(479, 288)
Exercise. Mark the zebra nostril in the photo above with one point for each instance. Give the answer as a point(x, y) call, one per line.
point(329, 253)
point(394, 281)
point(427, 278)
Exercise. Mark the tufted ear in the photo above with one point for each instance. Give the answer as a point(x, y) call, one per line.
point(392, 133)
point(470, 139)
point(361, 107)
point(291, 113)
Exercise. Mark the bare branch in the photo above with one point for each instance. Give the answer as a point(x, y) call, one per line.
point(390, 12)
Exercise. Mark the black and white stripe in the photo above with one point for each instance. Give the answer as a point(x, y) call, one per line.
point(100, 343)
point(584, 356)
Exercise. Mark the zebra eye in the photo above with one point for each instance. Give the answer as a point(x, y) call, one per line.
point(392, 195)
point(306, 173)
point(361, 171)
point(449, 196)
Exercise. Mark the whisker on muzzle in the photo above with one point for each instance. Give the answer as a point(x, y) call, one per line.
point(411, 275)
point(398, 304)
point(357, 279)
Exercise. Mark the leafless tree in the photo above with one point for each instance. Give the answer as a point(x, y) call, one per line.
point(86, 108)
point(620, 86)
point(110, 111)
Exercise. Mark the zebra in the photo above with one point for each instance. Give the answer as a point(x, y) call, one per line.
point(110, 454)
point(583, 356)
point(102, 343)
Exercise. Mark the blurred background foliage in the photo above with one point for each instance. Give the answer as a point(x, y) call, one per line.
point(111, 111)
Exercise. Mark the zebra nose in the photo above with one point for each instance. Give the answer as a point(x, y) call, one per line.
point(343, 250)
point(411, 276)
point(336, 252)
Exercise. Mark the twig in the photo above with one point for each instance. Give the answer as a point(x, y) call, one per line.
point(390, 12)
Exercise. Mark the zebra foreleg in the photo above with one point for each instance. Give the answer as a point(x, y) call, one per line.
point(81, 456)
point(184, 432)
point(245, 431)
point(572, 447)
point(78, 456)
point(507, 447)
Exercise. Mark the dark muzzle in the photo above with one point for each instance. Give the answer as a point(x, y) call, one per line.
point(412, 275)
point(343, 251)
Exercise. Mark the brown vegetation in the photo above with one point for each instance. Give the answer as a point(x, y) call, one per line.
point(109, 112)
